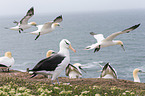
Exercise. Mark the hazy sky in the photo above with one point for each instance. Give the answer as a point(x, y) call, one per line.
point(12, 7)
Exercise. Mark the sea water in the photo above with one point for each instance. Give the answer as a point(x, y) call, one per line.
point(27, 52)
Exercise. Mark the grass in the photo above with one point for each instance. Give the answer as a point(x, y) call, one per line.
point(14, 86)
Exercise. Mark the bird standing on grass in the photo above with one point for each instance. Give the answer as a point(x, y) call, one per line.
point(108, 72)
point(56, 63)
point(6, 61)
point(74, 71)
point(135, 75)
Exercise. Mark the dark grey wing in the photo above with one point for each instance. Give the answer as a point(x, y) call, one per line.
point(49, 64)
point(68, 69)
point(29, 14)
point(113, 70)
point(58, 19)
point(103, 70)
point(2, 65)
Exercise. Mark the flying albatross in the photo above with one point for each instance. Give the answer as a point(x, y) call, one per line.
point(105, 42)
point(56, 63)
point(74, 71)
point(108, 72)
point(23, 24)
point(135, 75)
point(47, 27)
point(6, 61)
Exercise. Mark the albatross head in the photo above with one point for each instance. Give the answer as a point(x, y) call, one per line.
point(66, 44)
point(33, 23)
point(8, 54)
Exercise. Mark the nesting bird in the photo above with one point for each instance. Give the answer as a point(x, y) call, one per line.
point(108, 72)
point(135, 75)
point(23, 24)
point(6, 61)
point(47, 27)
point(105, 42)
point(74, 71)
point(56, 63)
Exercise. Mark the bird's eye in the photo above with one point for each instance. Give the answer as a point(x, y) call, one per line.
point(88, 47)
point(53, 52)
point(66, 43)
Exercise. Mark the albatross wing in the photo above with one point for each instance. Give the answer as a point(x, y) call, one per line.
point(50, 63)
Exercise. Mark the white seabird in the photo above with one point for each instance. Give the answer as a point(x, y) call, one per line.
point(6, 61)
point(74, 71)
point(135, 75)
point(23, 24)
point(47, 27)
point(108, 72)
point(55, 63)
point(105, 42)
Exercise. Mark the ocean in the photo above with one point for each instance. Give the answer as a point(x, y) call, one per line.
point(27, 52)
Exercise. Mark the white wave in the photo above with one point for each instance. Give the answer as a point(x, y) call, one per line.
point(93, 65)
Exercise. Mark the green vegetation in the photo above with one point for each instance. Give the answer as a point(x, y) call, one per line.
point(11, 86)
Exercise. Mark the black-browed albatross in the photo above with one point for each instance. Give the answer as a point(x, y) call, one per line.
point(55, 63)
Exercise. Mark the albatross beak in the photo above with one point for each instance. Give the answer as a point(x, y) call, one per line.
point(122, 47)
point(70, 47)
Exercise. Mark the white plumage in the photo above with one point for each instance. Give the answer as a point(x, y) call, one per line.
point(6, 61)
point(56, 63)
point(108, 72)
point(47, 27)
point(23, 24)
point(74, 71)
point(135, 74)
point(105, 42)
